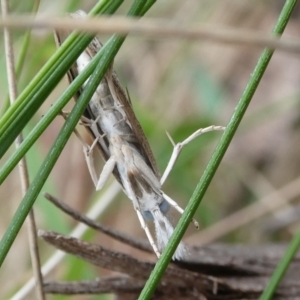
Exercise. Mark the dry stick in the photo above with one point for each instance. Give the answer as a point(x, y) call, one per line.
point(253, 265)
point(248, 214)
point(136, 243)
point(23, 171)
point(78, 231)
point(119, 262)
point(154, 28)
point(111, 284)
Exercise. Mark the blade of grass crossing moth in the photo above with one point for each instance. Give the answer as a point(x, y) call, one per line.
point(40, 87)
point(45, 121)
point(43, 173)
point(217, 156)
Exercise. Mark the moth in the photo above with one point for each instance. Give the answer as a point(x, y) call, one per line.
point(122, 142)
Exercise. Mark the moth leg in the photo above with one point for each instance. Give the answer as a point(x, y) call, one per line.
point(85, 121)
point(88, 154)
point(112, 107)
point(178, 208)
point(107, 170)
point(120, 121)
point(64, 114)
point(88, 122)
point(146, 229)
point(178, 147)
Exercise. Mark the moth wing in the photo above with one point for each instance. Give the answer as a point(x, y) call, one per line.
point(95, 45)
point(136, 127)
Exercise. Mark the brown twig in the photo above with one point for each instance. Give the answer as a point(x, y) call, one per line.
point(126, 264)
point(239, 272)
point(113, 284)
point(136, 243)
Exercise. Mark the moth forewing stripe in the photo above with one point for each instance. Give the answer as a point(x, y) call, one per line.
point(119, 93)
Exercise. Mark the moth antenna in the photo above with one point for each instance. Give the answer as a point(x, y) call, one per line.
point(170, 138)
point(65, 116)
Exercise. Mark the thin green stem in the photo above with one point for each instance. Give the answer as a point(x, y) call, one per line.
point(148, 4)
point(281, 268)
point(216, 158)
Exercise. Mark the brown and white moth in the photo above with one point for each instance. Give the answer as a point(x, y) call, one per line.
point(125, 149)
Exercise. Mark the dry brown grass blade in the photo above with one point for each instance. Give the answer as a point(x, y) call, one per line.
point(154, 28)
point(213, 272)
point(23, 170)
point(120, 262)
point(112, 284)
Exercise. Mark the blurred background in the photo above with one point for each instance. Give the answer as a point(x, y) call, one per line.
point(177, 86)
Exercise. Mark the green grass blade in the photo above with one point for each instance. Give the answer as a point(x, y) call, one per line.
point(40, 87)
point(50, 66)
point(109, 53)
point(147, 6)
point(54, 110)
point(281, 268)
point(50, 160)
point(20, 115)
point(49, 116)
point(216, 158)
